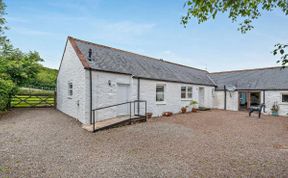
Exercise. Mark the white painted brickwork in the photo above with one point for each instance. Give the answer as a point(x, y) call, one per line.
point(72, 71)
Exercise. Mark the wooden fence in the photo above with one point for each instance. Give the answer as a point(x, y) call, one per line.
point(33, 100)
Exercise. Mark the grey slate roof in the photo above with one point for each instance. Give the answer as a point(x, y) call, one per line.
point(114, 60)
point(274, 78)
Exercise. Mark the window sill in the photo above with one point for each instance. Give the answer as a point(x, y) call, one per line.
point(160, 103)
point(186, 99)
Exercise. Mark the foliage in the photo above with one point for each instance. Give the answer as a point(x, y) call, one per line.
point(280, 49)
point(7, 90)
point(275, 107)
point(193, 103)
point(245, 10)
point(45, 78)
point(18, 68)
point(3, 39)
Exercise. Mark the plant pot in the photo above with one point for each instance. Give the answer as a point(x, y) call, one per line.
point(274, 113)
point(149, 115)
point(167, 114)
point(194, 110)
point(183, 110)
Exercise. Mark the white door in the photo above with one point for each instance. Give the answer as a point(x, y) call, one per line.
point(122, 96)
point(201, 96)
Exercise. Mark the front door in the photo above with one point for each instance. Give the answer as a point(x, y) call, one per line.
point(243, 100)
point(201, 96)
point(122, 96)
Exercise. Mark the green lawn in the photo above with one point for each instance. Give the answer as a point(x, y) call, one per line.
point(24, 90)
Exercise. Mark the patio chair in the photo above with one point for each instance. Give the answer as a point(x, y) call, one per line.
point(257, 109)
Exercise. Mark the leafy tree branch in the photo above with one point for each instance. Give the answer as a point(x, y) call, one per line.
point(245, 11)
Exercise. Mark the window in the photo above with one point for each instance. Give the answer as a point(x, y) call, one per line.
point(183, 92)
point(70, 89)
point(285, 98)
point(186, 92)
point(189, 92)
point(160, 93)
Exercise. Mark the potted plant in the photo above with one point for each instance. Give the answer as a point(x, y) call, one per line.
point(184, 109)
point(167, 114)
point(275, 109)
point(194, 105)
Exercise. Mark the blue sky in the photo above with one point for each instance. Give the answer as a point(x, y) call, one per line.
point(147, 27)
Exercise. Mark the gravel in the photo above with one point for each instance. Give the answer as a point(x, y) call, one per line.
point(47, 143)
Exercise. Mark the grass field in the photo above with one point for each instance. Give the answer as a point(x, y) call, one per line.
point(24, 90)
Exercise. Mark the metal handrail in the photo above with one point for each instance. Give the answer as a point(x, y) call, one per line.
point(104, 107)
point(130, 109)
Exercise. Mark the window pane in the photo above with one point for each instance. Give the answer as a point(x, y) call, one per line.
point(160, 89)
point(189, 92)
point(183, 92)
point(159, 93)
point(285, 98)
point(70, 89)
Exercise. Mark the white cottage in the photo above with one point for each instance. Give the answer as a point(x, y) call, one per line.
point(94, 76)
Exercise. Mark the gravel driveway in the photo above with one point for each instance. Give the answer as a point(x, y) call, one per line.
point(47, 143)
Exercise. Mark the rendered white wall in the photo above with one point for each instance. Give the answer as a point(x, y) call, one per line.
point(173, 101)
point(231, 100)
point(104, 95)
point(275, 96)
point(72, 70)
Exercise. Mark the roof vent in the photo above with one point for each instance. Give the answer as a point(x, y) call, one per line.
point(90, 55)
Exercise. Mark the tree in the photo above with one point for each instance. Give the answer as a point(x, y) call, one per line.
point(244, 10)
point(3, 27)
point(16, 68)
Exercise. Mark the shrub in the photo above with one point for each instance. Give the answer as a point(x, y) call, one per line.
point(7, 90)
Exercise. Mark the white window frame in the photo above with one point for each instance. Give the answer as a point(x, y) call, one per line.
point(186, 93)
point(164, 89)
point(284, 102)
point(70, 89)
